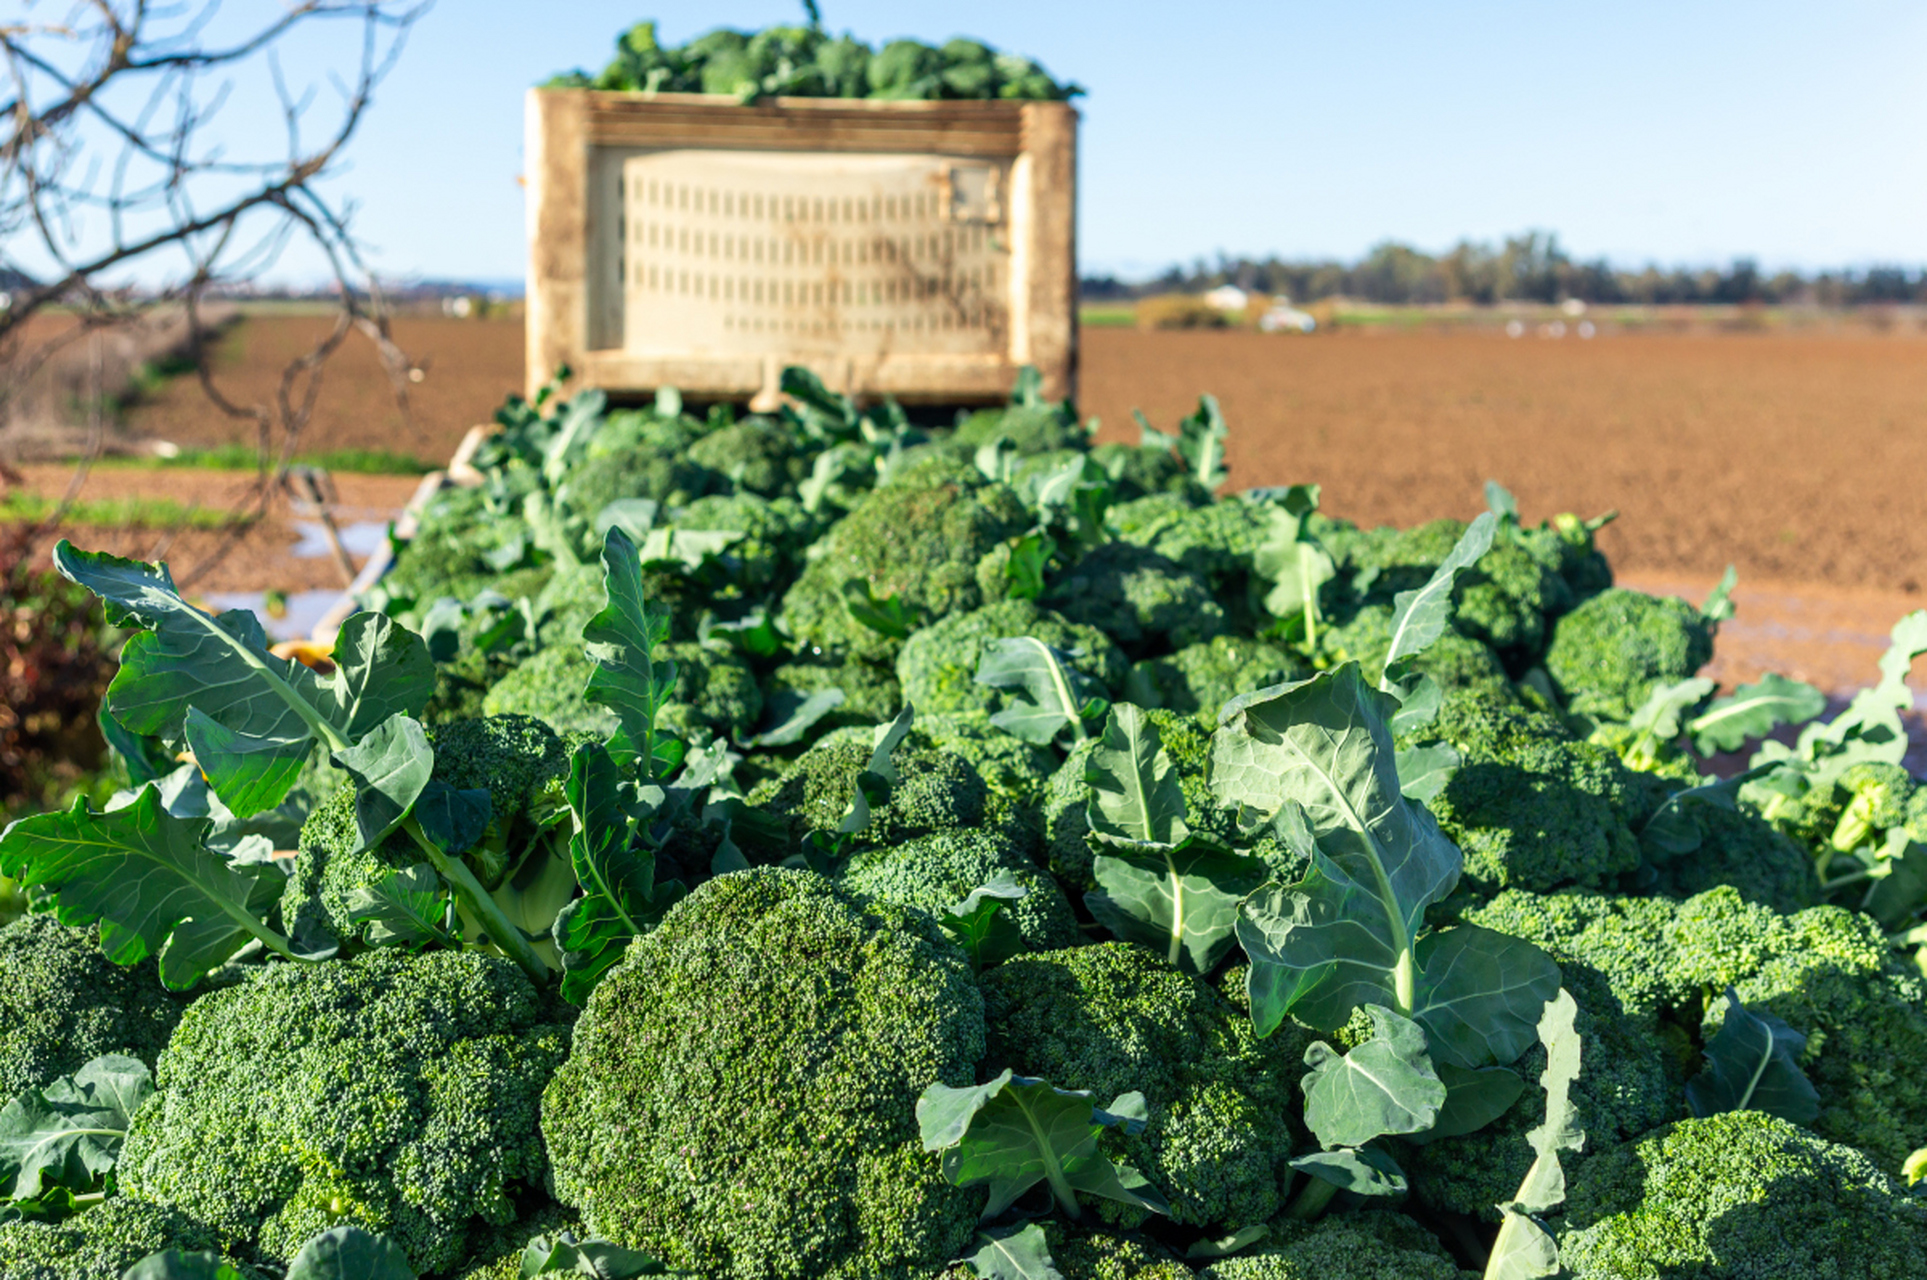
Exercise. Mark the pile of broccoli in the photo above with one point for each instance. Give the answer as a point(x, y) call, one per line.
point(857, 878)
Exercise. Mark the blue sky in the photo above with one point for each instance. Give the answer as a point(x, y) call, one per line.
point(1793, 132)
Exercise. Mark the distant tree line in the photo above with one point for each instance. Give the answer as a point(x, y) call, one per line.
point(1526, 268)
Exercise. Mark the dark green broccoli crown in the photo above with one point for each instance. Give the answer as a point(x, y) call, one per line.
point(514, 757)
point(1623, 938)
point(940, 870)
point(935, 791)
point(716, 692)
point(763, 563)
point(1741, 849)
point(1739, 1194)
point(103, 1242)
point(1352, 1246)
point(1142, 472)
point(1214, 541)
point(1531, 807)
point(761, 455)
point(1607, 655)
point(1830, 974)
point(399, 1092)
point(550, 686)
point(938, 664)
point(1114, 1018)
point(1145, 602)
point(63, 1004)
point(742, 1099)
point(918, 538)
point(1012, 768)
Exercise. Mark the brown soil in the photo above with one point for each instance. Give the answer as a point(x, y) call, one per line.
point(469, 367)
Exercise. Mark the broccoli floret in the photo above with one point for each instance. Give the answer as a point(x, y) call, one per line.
point(1628, 1083)
point(1565, 545)
point(904, 69)
point(938, 665)
point(741, 1101)
point(1530, 806)
point(1145, 602)
point(1139, 472)
point(918, 538)
point(640, 457)
point(549, 686)
point(844, 64)
point(520, 762)
point(1214, 541)
point(715, 691)
point(940, 870)
point(935, 791)
point(762, 565)
point(1505, 600)
point(1874, 798)
point(63, 1004)
point(1200, 678)
point(1742, 1193)
point(871, 694)
point(1607, 655)
point(103, 1242)
point(1745, 851)
point(1456, 661)
point(1372, 1245)
point(1112, 1018)
point(1009, 766)
point(1030, 429)
point(1830, 974)
point(1624, 939)
point(399, 1092)
point(761, 455)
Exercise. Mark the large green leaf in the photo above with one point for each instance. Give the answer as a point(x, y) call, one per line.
point(980, 925)
point(1291, 559)
point(408, 907)
point(69, 1133)
point(1385, 1085)
point(1135, 797)
point(149, 879)
point(1180, 902)
point(1753, 711)
point(1473, 1100)
point(1343, 936)
point(622, 640)
point(260, 715)
point(1421, 616)
point(1662, 717)
point(350, 1253)
point(1014, 1253)
point(391, 767)
point(1016, 1132)
point(1524, 1249)
point(1870, 728)
point(1060, 696)
point(1363, 1172)
point(1481, 994)
point(1753, 1064)
point(620, 899)
point(564, 1255)
point(175, 1264)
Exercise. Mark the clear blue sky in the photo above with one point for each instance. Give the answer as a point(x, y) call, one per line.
point(1793, 132)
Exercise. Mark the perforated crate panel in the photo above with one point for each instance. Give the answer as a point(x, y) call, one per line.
point(829, 255)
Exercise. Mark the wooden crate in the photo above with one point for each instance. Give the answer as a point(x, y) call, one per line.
point(921, 250)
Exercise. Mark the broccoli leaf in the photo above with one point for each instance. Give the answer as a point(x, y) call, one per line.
point(1524, 1249)
point(1180, 902)
point(453, 819)
point(1225, 1246)
point(799, 718)
point(686, 548)
point(1363, 1172)
point(259, 715)
point(1674, 829)
point(1870, 728)
point(1500, 502)
point(1343, 935)
point(150, 880)
point(350, 1253)
point(1753, 711)
point(1061, 696)
point(1294, 562)
point(887, 617)
point(564, 1255)
point(1135, 798)
point(391, 767)
point(404, 908)
point(981, 927)
point(1423, 772)
point(69, 1133)
point(1420, 617)
point(1029, 560)
point(572, 432)
point(1201, 440)
point(1016, 1132)
point(1753, 1064)
point(620, 898)
point(1473, 1100)
point(173, 1264)
point(1385, 1085)
point(1662, 716)
point(1481, 993)
point(622, 640)
point(1719, 605)
point(1019, 1253)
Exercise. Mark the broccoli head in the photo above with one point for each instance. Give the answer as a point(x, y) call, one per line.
point(1138, 472)
point(1113, 1018)
point(763, 456)
point(1214, 541)
point(918, 538)
point(715, 691)
point(935, 791)
point(1456, 661)
point(1012, 768)
point(1503, 600)
point(938, 665)
point(1831, 975)
point(1373, 1245)
point(871, 694)
point(1565, 545)
point(103, 1242)
point(904, 69)
point(1624, 939)
point(760, 566)
point(1531, 806)
point(1148, 604)
point(741, 1099)
point(1608, 654)
point(1742, 1193)
point(1200, 678)
point(549, 686)
point(1028, 428)
point(938, 871)
point(1874, 800)
point(395, 1091)
point(1742, 849)
point(520, 762)
point(657, 466)
point(63, 1004)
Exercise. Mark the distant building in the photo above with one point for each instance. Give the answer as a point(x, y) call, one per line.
point(1228, 297)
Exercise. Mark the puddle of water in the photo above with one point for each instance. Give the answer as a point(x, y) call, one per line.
point(297, 622)
point(360, 538)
